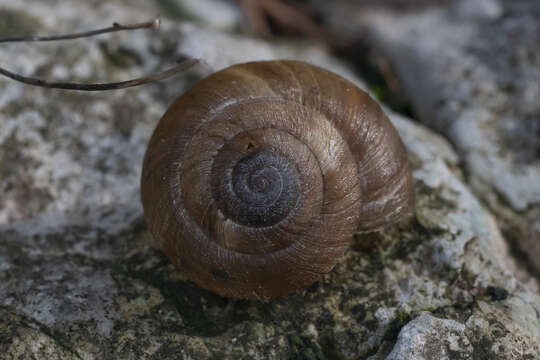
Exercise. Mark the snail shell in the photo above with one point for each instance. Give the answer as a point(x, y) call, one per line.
point(256, 178)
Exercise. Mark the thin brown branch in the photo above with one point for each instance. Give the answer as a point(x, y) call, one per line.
point(100, 86)
point(286, 16)
point(103, 86)
point(154, 24)
point(256, 17)
point(291, 18)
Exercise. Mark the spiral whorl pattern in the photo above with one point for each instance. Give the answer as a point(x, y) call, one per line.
point(256, 178)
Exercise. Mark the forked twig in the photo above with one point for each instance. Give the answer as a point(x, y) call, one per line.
point(100, 86)
point(154, 24)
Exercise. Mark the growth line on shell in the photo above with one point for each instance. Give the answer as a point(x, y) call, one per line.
point(154, 24)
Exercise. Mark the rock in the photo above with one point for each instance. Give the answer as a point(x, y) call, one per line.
point(219, 14)
point(470, 70)
point(79, 278)
point(428, 337)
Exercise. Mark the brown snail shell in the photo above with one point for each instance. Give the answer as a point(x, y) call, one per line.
point(256, 178)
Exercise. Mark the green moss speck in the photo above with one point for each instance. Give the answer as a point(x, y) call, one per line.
point(378, 92)
point(305, 349)
point(401, 319)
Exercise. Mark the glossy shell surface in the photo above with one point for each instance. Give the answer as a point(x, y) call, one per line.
point(256, 178)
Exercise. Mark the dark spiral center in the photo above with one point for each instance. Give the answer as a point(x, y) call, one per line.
point(261, 189)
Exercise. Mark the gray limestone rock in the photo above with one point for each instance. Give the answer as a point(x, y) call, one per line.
point(79, 278)
point(470, 68)
point(427, 338)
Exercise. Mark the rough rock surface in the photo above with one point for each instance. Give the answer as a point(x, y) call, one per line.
point(470, 68)
point(80, 280)
point(428, 337)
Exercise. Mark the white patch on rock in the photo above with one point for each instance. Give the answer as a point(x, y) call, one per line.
point(430, 338)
